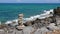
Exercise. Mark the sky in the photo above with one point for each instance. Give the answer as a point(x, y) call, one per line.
point(29, 1)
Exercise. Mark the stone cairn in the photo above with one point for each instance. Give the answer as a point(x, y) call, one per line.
point(20, 24)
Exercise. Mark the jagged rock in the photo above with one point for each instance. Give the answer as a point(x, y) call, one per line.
point(52, 26)
point(28, 23)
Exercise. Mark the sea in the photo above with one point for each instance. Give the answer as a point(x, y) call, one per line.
point(10, 11)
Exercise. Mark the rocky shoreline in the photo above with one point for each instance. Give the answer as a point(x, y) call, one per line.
point(48, 25)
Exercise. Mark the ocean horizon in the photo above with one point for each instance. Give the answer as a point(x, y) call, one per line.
point(10, 11)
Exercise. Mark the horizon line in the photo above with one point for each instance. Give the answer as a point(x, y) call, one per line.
point(47, 3)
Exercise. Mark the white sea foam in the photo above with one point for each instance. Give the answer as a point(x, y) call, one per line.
point(41, 16)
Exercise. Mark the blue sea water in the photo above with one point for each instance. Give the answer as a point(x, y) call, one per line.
point(10, 11)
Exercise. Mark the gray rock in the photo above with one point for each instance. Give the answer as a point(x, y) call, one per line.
point(2, 31)
point(52, 26)
point(27, 30)
point(42, 30)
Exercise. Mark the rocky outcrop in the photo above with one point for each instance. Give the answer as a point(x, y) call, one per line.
point(57, 11)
